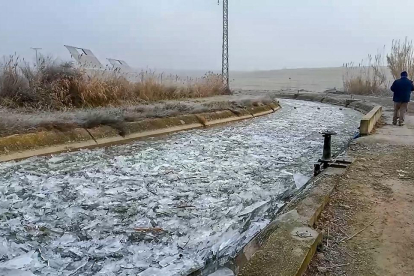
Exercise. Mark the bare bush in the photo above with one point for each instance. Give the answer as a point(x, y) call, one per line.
point(401, 58)
point(368, 78)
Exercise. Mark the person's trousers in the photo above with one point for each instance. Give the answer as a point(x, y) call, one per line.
point(399, 112)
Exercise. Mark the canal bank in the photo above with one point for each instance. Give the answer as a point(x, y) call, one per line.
point(368, 225)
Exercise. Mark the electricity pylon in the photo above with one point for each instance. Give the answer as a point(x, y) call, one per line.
point(225, 54)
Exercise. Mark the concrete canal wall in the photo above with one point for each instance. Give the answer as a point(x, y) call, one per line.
point(369, 121)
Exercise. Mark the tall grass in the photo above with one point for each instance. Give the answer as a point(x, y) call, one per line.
point(56, 85)
point(367, 78)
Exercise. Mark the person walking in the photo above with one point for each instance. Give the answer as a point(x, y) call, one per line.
point(402, 89)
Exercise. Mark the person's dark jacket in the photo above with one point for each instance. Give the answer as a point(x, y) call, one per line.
point(402, 90)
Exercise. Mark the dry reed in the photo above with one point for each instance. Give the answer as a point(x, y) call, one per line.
point(56, 85)
point(401, 58)
point(368, 78)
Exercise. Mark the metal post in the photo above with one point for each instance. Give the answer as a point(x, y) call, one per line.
point(327, 146)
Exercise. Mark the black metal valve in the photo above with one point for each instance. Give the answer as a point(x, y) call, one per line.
point(327, 146)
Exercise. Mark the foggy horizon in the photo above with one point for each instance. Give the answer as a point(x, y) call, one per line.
point(187, 35)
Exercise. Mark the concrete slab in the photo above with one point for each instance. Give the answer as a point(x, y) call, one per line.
point(369, 121)
point(394, 135)
point(314, 200)
point(288, 250)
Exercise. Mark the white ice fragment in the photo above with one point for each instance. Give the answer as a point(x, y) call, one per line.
point(90, 192)
point(223, 272)
point(19, 262)
point(76, 251)
point(143, 223)
point(128, 266)
point(252, 208)
point(113, 247)
point(14, 272)
point(173, 270)
point(113, 191)
point(109, 269)
point(56, 160)
point(168, 261)
point(152, 271)
point(300, 180)
point(4, 248)
point(72, 211)
point(66, 239)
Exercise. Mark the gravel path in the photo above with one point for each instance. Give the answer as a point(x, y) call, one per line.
point(164, 206)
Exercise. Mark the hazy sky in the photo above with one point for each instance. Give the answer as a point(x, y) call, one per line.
point(186, 34)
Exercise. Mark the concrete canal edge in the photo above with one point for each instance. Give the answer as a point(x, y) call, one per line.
point(369, 121)
point(20, 146)
point(287, 246)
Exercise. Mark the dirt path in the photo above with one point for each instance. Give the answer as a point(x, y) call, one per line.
point(369, 224)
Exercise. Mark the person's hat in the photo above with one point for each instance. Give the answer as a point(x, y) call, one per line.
point(404, 74)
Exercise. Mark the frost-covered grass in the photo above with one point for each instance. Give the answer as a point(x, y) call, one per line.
point(201, 195)
point(14, 121)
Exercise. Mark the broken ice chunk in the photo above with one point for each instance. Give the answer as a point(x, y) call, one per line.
point(14, 272)
point(300, 180)
point(168, 260)
point(252, 208)
point(223, 272)
point(113, 246)
point(152, 271)
point(65, 239)
point(18, 262)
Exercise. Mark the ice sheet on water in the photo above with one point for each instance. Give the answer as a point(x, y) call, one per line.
point(165, 205)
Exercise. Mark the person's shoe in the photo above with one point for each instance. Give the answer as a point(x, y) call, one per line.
point(394, 123)
point(400, 123)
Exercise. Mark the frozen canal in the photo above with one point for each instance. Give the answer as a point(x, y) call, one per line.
point(163, 206)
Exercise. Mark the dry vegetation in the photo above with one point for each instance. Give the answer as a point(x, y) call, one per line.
point(372, 77)
point(59, 86)
point(401, 58)
point(368, 78)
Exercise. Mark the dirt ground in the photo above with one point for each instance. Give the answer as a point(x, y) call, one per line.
point(368, 225)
